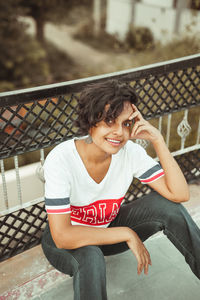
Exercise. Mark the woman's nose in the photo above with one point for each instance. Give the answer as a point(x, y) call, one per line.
point(118, 129)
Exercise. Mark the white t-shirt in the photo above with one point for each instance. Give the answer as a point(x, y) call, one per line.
point(70, 189)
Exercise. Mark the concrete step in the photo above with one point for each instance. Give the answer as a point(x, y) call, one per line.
point(26, 275)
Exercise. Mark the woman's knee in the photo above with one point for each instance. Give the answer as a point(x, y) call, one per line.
point(171, 211)
point(87, 259)
point(164, 209)
point(91, 258)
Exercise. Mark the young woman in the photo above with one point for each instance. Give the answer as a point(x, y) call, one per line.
point(86, 180)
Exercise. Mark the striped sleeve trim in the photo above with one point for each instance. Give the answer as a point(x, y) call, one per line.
point(57, 206)
point(152, 174)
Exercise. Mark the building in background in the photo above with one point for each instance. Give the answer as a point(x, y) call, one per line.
point(165, 18)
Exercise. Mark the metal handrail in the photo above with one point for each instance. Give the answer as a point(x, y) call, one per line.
point(75, 86)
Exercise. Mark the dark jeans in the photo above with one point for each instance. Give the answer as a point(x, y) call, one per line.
point(146, 216)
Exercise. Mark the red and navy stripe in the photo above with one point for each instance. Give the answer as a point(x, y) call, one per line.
point(152, 174)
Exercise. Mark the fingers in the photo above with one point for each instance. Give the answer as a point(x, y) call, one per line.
point(134, 107)
point(143, 266)
point(140, 252)
point(139, 121)
point(147, 263)
point(144, 261)
point(138, 127)
point(136, 114)
point(144, 130)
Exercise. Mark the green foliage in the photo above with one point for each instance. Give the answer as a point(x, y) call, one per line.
point(178, 47)
point(50, 10)
point(43, 11)
point(61, 66)
point(103, 40)
point(6, 86)
point(22, 60)
point(139, 38)
point(195, 4)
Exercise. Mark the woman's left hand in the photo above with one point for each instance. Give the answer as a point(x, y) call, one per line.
point(142, 129)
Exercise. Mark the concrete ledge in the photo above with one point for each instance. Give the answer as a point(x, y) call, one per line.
point(27, 275)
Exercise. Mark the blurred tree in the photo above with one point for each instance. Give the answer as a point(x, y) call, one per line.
point(43, 11)
point(195, 4)
point(22, 60)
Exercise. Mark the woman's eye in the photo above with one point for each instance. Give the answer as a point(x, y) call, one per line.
point(127, 124)
point(109, 122)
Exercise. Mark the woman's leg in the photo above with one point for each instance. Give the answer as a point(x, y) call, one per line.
point(153, 213)
point(86, 265)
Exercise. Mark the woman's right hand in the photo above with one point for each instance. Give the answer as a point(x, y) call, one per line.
point(140, 252)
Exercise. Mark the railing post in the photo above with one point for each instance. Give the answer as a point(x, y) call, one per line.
point(160, 124)
point(18, 182)
point(198, 133)
point(168, 129)
point(5, 192)
point(184, 129)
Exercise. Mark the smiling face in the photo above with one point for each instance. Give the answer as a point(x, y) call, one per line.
point(109, 137)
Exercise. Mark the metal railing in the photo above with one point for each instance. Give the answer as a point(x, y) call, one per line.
point(37, 118)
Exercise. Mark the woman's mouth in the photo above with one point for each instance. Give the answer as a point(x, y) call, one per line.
point(113, 142)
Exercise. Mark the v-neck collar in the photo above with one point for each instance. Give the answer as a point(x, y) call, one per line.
point(85, 169)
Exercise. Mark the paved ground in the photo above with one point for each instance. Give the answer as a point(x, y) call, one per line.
point(90, 61)
point(170, 278)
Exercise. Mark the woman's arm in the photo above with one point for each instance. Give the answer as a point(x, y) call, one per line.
point(173, 185)
point(68, 236)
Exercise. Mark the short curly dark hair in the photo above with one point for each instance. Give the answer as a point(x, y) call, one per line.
point(94, 98)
